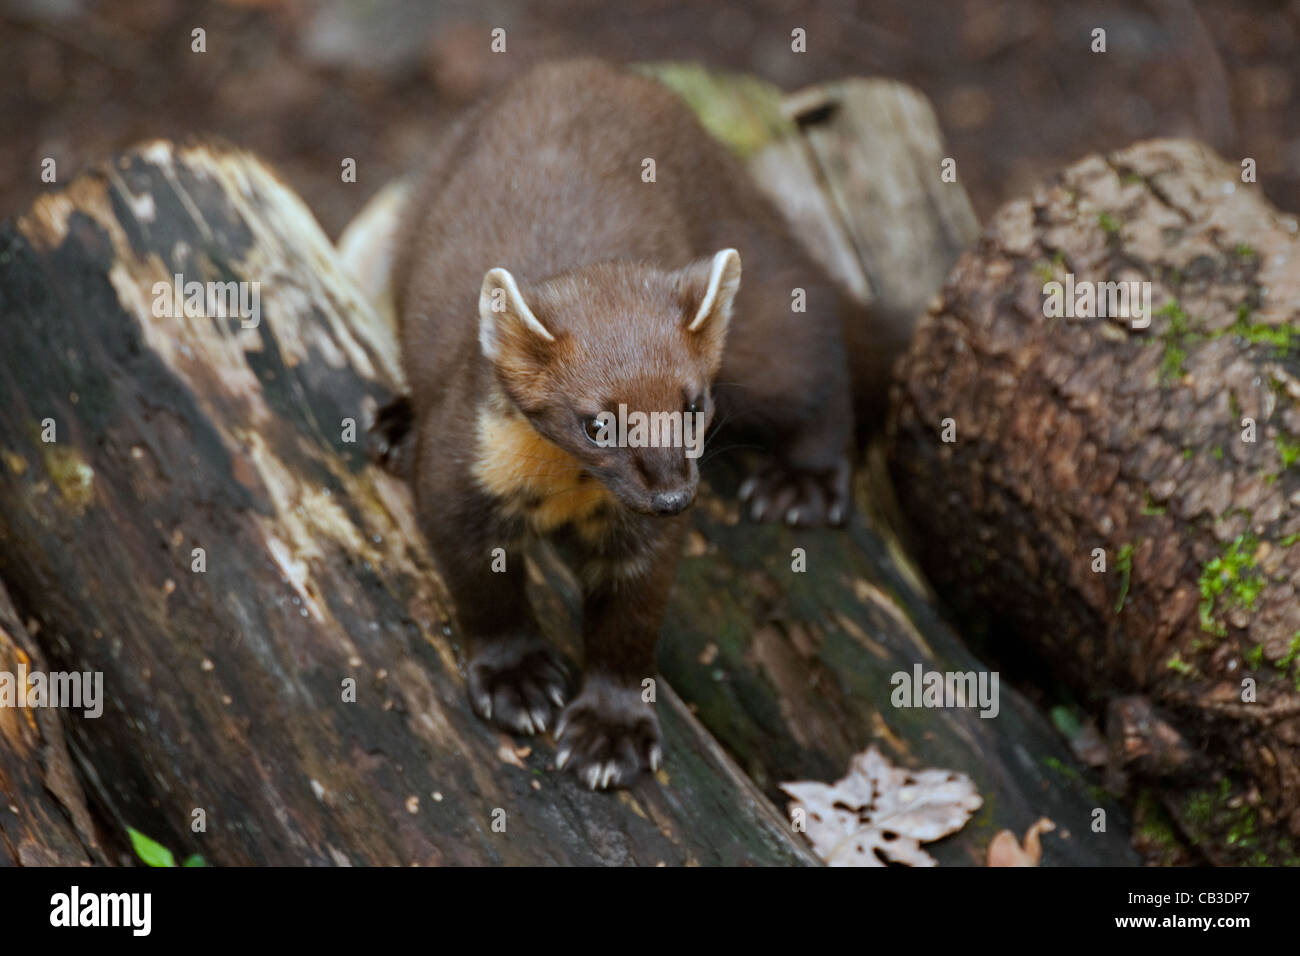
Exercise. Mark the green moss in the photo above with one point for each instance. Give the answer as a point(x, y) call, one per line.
point(1124, 562)
point(1289, 450)
point(1209, 811)
point(1064, 769)
point(1179, 336)
point(1255, 657)
point(1289, 540)
point(71, 475)
point(1171, 363)
point(1151, 508)
point(1243, 251)
point(1231, 576)
point(1096, 793)
point(1292, 652)
point(1257, 333)
point(1043, 269)
point(1218, 453)
point(1188, 453)
point(743, 112)
point(1154, 825)
point(1176, 338)
point(1179, 324)
point(1176, 663)
point(1242, 833)
point(1109, 224)
point(1210, 815)
point(1199, 808)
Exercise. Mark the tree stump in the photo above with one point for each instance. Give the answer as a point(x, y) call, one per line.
point(1173, 448)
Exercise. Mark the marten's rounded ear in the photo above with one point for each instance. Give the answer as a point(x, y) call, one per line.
point(711, 288)
point(502, 313)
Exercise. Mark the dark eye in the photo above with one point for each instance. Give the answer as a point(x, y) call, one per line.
point(593, 429)
point(694, 405)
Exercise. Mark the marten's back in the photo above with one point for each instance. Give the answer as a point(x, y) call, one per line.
point(547, 176)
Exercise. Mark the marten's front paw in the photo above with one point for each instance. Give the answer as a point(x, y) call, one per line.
point(517, 683)
point(608, 735)
point(804, 499)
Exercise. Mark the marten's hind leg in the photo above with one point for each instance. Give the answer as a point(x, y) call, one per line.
point(785, 386)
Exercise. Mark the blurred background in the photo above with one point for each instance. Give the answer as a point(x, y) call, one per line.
point(305, 84)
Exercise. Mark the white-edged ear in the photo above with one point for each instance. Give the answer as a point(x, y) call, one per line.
point(724, 283)
point(502, 308)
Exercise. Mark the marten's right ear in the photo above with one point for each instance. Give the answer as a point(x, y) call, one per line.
point(707, 289)
point(504, 320)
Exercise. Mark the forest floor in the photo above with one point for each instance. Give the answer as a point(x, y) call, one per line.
point(306, 84)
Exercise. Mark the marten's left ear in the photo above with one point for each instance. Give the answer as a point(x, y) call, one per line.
point(505, 322)
point(708, 288)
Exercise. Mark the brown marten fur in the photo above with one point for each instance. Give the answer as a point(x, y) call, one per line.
point(541, 281)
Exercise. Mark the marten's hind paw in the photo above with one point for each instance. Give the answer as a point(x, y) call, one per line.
point(804, 499)
point(607, 736)
point(517, 684)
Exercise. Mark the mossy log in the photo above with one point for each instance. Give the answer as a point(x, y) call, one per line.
point(1032, 450)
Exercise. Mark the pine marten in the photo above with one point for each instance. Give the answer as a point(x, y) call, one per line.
point(542, 281)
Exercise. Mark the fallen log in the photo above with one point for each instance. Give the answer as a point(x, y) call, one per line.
point(281, 664)
point(281, 678)
point(793, 671)
point(1125, 497)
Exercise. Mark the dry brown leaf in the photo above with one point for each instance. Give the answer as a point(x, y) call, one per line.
point(880, 813)
point(1005, 849)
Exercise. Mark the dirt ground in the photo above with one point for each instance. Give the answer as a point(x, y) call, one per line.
point(306, 84)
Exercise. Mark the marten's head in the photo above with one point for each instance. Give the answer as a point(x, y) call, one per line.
point(613, 364)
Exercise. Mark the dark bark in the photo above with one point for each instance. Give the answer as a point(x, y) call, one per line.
point(43, 816)
point(1076, 434)
point(225, 687)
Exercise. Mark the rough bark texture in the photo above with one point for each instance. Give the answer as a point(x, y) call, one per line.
point(43, 816)
point(792, 672)
point(1078, 434)
point(225, 687)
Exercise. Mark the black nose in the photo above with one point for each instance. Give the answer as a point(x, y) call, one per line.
point(670, 502)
